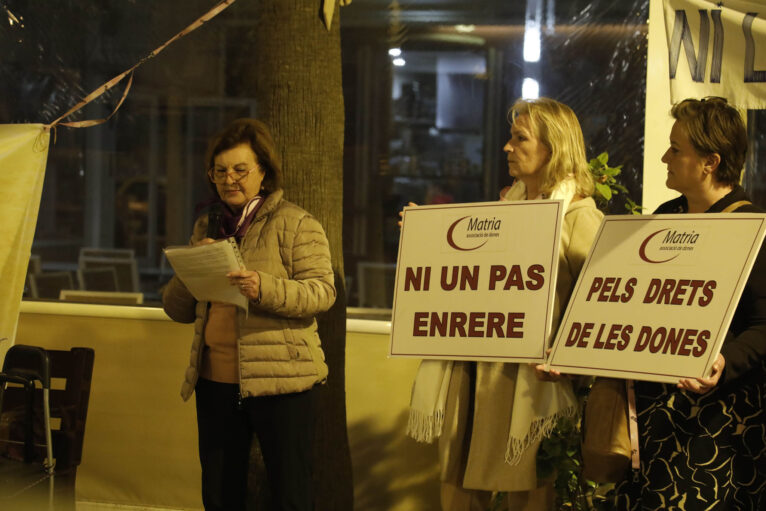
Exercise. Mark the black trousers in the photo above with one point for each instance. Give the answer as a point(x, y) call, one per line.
point(284, 425)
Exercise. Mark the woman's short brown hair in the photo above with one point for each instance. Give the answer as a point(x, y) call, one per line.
point(256, 134)
point(714, 126)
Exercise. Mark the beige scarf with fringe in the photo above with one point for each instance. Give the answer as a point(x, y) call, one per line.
point(537, 405)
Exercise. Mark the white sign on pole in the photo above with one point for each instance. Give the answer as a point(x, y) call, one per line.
point(23, 157)
point(717, 49)
point(657, 294)
point(476, 281)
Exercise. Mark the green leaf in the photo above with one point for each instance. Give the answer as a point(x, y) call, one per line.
point(603, 158)
point(604, 190)
point(620, 187)
point(631, 206)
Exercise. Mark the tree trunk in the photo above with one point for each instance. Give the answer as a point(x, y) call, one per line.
point(296, 73)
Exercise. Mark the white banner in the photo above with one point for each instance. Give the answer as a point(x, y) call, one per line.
point(656, 295)
point(476, 281)
point(23, 155)
point(717, 49)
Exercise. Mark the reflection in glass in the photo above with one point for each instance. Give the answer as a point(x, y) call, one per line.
point(430, 130)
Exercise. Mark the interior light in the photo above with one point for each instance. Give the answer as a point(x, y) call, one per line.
point(530, 89)
point(532, 41)
point(11, 18)
point(465, 29)
point(398, 62)
point(394, 52)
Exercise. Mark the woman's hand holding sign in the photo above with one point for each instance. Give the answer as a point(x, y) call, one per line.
point(542, 374)
point(703, 385)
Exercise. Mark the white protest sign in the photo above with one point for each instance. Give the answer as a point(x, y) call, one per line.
point(23, 157)
point(717, 49)
point(476, 281)
point(657, 294)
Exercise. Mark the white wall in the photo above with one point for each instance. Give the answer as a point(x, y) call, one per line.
point(141, 438)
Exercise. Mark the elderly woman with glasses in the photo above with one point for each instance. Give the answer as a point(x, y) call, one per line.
point(256, 371)
point(703, 441)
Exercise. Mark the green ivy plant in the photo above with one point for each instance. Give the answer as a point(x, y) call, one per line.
point(559, 458)
point(607, 185)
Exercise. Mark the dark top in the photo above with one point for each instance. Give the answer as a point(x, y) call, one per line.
point(744, 348)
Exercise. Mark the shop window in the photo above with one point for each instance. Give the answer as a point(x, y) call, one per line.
point(426, 90)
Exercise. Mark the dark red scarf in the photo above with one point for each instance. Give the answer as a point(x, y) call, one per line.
point(236, 224)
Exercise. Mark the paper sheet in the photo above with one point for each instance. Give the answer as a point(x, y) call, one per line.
point(203, 270)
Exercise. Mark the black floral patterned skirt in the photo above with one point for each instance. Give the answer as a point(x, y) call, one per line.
point(703, 452)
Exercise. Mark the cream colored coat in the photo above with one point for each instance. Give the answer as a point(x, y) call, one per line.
point(278, 345)
point(472, 452)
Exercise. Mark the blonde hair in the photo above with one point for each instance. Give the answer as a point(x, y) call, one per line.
point(557, 127)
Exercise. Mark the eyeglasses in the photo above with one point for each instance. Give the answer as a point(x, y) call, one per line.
point(218, 175)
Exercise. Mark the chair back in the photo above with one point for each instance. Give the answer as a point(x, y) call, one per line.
point(28, 361)
point(97, 279)
point(69, 380)
point(126, 270)
point(73, 368)
point(22, 367)
point(49, 284)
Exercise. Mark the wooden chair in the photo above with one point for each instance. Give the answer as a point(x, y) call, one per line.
point(48, 420)
point(49, 284)
point(97, 279)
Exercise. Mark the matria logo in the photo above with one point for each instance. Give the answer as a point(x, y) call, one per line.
point(463, 235)
point(666, 244)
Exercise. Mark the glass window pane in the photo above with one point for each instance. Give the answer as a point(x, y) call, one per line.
point(426, 88)
point(453, 70)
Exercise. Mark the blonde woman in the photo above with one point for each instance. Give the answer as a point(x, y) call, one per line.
point(491, 417)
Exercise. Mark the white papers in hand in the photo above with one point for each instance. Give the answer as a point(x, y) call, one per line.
point(203, 270)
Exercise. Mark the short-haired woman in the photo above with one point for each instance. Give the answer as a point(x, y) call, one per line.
point(255, 372)
point(702, 442)
point(495, 415)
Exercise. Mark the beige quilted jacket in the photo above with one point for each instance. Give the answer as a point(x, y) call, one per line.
point(279, 349)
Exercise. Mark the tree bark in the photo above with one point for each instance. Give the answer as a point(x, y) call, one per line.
point(296, 74)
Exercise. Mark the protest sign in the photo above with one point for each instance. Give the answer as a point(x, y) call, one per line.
point(476, 281)
point(717, 49)
point(656, 295)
